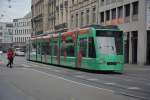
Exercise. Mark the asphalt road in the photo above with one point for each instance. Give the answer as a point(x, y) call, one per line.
point(35, 81)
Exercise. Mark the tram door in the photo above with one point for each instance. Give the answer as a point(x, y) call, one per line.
point(82, 51)
point(39, 51)
point(148, 47)
point(55, 52)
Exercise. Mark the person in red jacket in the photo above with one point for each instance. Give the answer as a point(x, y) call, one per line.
point(10, 57)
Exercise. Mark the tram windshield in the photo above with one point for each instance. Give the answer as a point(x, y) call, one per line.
point(110, 42)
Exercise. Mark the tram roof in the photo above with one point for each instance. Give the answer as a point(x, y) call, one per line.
point(96, 26)
point(67, 33)
point(45, 37)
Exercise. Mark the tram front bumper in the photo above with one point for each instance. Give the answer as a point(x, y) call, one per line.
point(111, 66)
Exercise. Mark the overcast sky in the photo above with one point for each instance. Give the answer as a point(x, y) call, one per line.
point(11, 9)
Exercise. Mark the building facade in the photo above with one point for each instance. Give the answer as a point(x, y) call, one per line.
point(49, 16)
point(61, 15)
point(6, 35)
point(37, 8)
point(21, 30)
point(82, 12)
point(132, 17)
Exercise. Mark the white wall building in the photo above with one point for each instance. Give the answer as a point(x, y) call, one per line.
point(22, 30)
point(6, 37)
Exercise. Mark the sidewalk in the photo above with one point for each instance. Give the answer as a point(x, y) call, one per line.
point(136, 66)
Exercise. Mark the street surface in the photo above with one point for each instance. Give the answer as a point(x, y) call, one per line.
point(34, 81)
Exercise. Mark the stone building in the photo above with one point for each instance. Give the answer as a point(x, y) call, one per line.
point(133, 17)
point(82, 12)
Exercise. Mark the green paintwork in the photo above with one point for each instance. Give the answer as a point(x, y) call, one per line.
point(99, 63)
point(68, 61)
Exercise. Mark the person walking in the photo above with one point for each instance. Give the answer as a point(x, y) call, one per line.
point(10, 57)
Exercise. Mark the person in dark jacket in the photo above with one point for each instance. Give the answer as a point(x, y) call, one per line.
point(10, 57)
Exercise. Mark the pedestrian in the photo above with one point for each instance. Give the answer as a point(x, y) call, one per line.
point(10, 57)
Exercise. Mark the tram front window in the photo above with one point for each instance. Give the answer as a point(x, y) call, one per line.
point(110, 42)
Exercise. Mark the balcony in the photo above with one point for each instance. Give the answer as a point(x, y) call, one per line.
point(62, 26)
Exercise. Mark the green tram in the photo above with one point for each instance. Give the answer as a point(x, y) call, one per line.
point(91, 48)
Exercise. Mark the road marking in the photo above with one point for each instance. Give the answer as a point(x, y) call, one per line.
point(148, 84)
point(79, 72)
point(110, 83)
point(133, 88)
point(26, 65)
point(58, 77)
point(79, 76)
point(39, 64)
point(132, 95)
point(35, 66)
point(93, 79)
point(57, 70)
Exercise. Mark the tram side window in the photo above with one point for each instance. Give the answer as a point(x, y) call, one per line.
point(83, 46)
point(33, 47)
point(70, 48)
point(45, 48)
point(55, 48)
point(91, 48)
point(38, 48)
point(50, 50)
point(63, 48)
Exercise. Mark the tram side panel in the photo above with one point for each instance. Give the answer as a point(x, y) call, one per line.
point(55, 51)
point(32, 50)
point(68, 53)
point(86, 54)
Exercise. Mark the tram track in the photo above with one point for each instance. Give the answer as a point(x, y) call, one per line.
point(118, 88)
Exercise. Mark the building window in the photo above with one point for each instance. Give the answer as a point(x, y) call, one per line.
point(107, 15)
point(107, 2)
point(102, 16)
point(72, 2)
point(82, 18)
point(113, 1)
point(76, 20)
point(135, 8)
point(72, 21)
point(127, 10)
point(114, 13)
point(94, 15)
point(87, 16)
point(102, 2)
point(120, 12)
